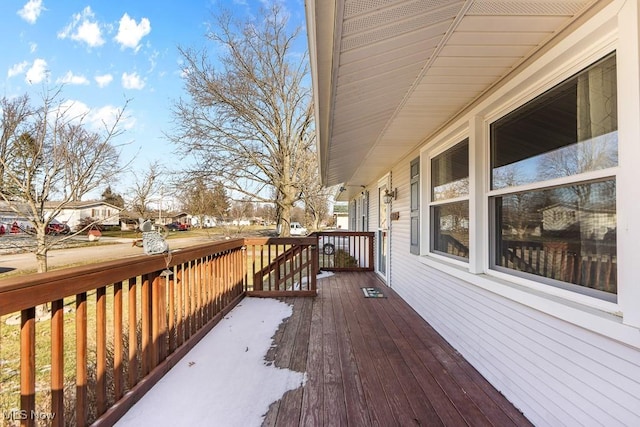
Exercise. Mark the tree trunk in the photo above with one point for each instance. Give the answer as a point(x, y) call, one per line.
point(41, 259)
point(285, 221)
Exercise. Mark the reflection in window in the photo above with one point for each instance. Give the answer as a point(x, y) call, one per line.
point(450, 173)
point(569, 130)
point(451, 229)
point(566, 234)
point(450, 214)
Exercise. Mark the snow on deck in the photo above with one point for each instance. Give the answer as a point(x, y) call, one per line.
point(224, 380)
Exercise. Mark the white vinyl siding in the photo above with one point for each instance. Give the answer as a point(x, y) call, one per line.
point(561, 357)
point(556, 372)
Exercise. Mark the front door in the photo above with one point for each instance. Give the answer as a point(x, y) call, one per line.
point(382, 237)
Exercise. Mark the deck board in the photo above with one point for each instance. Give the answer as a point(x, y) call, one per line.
point(374, 361)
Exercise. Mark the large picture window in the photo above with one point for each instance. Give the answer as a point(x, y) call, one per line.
point(450, 202)
point(562, 148)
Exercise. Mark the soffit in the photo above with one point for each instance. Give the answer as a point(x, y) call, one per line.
point(401, 69)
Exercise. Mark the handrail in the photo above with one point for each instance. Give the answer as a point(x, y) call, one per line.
point(282, 266)
point(131, 321)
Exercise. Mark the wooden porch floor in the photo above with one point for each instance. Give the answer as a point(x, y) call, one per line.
point(374, 361)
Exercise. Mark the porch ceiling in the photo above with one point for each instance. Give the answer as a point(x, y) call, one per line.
point(389, 73)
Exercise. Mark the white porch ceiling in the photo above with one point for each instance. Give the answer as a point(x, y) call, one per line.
point(389, 73)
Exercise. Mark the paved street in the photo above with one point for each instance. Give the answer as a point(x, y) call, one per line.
point(119, 248)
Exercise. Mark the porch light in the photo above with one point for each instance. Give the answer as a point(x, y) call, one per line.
point(390, 195)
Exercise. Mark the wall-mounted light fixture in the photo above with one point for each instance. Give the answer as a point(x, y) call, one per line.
point(388, 196)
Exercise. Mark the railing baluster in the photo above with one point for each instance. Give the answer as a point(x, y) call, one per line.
point(57, 362)
point(192, 291)
point(180, 306)
point(146, 325)
point(158, 320)
point(118, 343)
point(82, 403)
point(101, 350)
point(132, 365)
point(172, 314)
point(28, 364)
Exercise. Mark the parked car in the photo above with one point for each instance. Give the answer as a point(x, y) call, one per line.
point(177, 226)
point(297, 229)
point(56, 227)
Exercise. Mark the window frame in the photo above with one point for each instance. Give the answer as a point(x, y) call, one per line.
point(593, 176)
point(414, 206)
point(430, 203)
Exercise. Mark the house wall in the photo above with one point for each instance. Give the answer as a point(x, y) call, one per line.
point(560, 357)
point(73, 216)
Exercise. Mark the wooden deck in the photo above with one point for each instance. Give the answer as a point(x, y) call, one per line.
point(374, 361)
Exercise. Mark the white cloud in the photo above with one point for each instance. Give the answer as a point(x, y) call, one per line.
point(83, 28)
point(103, 80)
point(73, 79)
point(130, 33)
point(132, 81)
point(107, 115)
point(17, 69)
point(96, 119)
point(31, 11)
point(38, 72)
point(33, 47)
point(72, 110)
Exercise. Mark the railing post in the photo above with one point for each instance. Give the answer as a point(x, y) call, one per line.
point(244, 268)
point(315, 269)
point(371, 254)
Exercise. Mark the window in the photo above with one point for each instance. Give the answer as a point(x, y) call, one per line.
point(414, 209)
point(562, 148)
point(450, 202)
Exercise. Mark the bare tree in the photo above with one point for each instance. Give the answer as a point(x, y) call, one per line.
point(15, 113)
point(49, 159)
point(316, 196)
point(249, 122)
point(146, 186)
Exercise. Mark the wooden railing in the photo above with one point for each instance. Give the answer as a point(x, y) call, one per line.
point(345, 250)
point(92, 340)
point(282, 266)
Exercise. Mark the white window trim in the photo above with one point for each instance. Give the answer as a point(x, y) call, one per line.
point(426, 155)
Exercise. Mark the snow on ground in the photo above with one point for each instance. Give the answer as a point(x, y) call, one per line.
point(224, 380)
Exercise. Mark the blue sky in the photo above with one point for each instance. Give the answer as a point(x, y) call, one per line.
point(104, 52)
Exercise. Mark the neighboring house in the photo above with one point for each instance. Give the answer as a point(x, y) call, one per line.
point(486, 113)
point(590, 223)
point(73, 213)
point(207, 221)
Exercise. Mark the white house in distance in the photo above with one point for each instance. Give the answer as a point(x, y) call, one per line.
point(483, 114)
point(74, 212)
